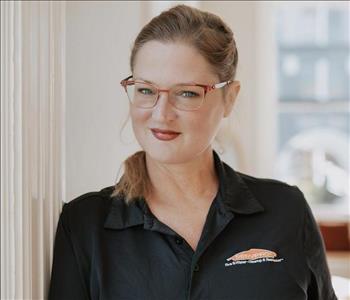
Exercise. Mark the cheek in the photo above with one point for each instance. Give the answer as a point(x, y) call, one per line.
point(138, 118)
point(211, 118)
point(204, 127)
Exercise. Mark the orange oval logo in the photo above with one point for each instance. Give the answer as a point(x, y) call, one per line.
point(252, 254)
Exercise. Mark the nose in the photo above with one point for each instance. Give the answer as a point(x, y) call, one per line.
point(163, 111)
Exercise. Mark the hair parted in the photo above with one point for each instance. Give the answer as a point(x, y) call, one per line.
point(212, 38)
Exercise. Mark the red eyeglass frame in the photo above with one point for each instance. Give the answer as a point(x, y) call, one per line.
point(207, 87)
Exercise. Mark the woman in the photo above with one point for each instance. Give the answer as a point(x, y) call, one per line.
point(180, 223)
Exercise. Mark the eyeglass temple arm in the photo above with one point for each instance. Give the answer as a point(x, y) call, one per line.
point(221, 84)
point(125, 80)
point(218, 85)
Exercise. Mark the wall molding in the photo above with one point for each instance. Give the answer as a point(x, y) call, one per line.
point(32, 143)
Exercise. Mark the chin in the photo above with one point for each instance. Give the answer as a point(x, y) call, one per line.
point(166, 155)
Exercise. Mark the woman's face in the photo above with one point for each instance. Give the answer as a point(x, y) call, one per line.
point(165, 65)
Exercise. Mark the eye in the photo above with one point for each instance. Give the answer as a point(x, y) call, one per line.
point(189, 94)
point(145, 91)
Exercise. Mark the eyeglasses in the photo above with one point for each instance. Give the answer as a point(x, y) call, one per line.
point(184, 97)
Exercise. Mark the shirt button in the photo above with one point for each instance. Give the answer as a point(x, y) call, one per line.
point(196, 268)
point(150, 222)
point(178, 240)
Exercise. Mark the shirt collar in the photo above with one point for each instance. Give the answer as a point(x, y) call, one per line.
point(233, 196)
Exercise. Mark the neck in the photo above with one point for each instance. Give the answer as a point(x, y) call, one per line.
point(192, 184)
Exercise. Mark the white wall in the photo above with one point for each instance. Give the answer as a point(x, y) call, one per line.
point(98, 38)
point(253, 119)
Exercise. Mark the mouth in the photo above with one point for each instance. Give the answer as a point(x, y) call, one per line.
point(164, 135)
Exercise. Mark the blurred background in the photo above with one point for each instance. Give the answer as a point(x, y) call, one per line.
point(62, 110)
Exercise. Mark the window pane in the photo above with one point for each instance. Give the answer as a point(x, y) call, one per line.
point(314, 66)
point(313, 46)
point(311, 74)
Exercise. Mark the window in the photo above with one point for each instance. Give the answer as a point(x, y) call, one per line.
point(313, 101)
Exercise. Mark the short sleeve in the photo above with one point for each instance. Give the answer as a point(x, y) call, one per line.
point(66, 280)
point(320, 286)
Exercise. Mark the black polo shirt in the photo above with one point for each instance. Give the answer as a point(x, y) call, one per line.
point(260, 241)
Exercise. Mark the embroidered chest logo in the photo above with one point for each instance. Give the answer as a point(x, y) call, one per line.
point(252, 256)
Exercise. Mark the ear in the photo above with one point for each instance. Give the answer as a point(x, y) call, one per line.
point(231, 95)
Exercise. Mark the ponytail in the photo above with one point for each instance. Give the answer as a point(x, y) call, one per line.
point(135, 181)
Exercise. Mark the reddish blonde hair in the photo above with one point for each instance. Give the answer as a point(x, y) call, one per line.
point(215, 42)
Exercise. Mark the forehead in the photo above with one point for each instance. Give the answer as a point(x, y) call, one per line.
point(172, 62)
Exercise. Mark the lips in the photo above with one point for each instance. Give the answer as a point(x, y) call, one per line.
point(164, 135)
point(164, 131)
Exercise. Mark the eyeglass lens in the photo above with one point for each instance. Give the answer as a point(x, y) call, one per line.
point(185, 97)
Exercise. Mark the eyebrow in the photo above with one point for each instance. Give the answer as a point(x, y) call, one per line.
point(151, 82)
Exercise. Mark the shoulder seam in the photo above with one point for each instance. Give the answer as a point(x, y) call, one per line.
point(83, 196)
point(269, 180)
point(102, 193)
